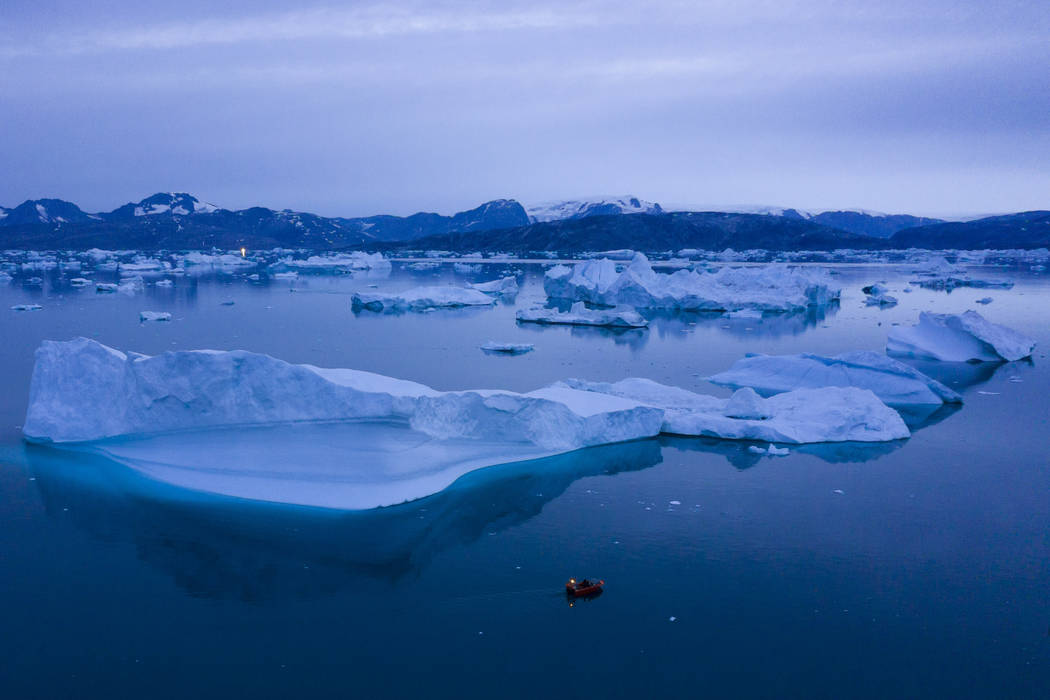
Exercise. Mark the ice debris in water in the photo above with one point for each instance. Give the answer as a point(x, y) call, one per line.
point(894, 382)
point(966, 337)
point(154, 316)
point(505, 285)
point(421, 298)
point(775, 288)
point(580, 315)
point(79, 282)
point(507, 348)
point(26, 307)
point(985, 300)
point(164, 283)
point(334, 262)
point(938, 273)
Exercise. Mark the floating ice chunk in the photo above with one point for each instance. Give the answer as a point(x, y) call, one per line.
point(775, 288)
point(421, 266)
point(507, 348)
point(290, 275)
point(829, 414)
point(26, 307)
point(466, 268)
point(877, 296)
point(82, 390)
point(420, 298)
point(335, 262)
point(966, 337)
point(79, 282)
point(164, 283)
point(154, 316)
point(894, 382)
point(506, 285)
point(985, 300)
point(580, 315)
point(105, 287)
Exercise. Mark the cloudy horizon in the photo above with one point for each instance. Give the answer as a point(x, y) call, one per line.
point(937, 109)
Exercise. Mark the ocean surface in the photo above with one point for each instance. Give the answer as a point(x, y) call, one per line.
point(906, 569)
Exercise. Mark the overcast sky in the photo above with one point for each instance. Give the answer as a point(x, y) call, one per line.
point(395, 107)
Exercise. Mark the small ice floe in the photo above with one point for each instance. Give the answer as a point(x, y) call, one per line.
point(877, 296)
point(146, 316)
point(505, 285)
point(333, 263)
point(580, 315)
point(771, 450)
point(105, 287)
point(495, 348)
point(254, 277)
point(675, 503)
point(420, 266)
point(34, 282)
point(466, 268)
point(164, 283)
point(79, 282)
point(26, 307)
point(989, 393)
point(839, 492)
point(229, 302)
point(290, 275)
point(985, 300)
point(421, 299)
point(672, 618)
point(966, 337)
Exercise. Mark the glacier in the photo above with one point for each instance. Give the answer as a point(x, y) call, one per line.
point(774, 288)
point(966, 337)
point(894, 382)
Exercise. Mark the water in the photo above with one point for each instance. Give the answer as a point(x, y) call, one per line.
point(900, 569)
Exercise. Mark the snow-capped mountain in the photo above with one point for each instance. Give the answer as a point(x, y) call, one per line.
point(43, 211)
point(163, 204)
point(592, 206)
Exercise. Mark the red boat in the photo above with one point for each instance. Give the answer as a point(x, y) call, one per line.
point(583, 588)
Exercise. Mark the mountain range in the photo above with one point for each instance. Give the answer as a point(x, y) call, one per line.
point(175, 220)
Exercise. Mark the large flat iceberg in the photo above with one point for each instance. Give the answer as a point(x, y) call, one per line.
point(894, 382)
point(775, 288)
point(421, 298)
point(829, 414)
point(967, 337)
point(82, 390)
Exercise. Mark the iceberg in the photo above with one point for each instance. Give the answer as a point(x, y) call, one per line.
point(967, 337)
point(828, 414)
point(154, 316)
point(580, 315)
point(335, 262)
point(894, 382)
point(493, 347)
point(82, 390)
point(420, 298)
point(774, 288)
point(505, 285)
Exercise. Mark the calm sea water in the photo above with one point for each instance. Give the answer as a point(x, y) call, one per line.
point(917, 568)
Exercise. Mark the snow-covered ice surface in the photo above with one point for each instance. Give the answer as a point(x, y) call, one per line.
point(774, 288)
point(829, 414)
point(580, 315)
point(966, 337)
point(896, 383)
point(421, 298)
